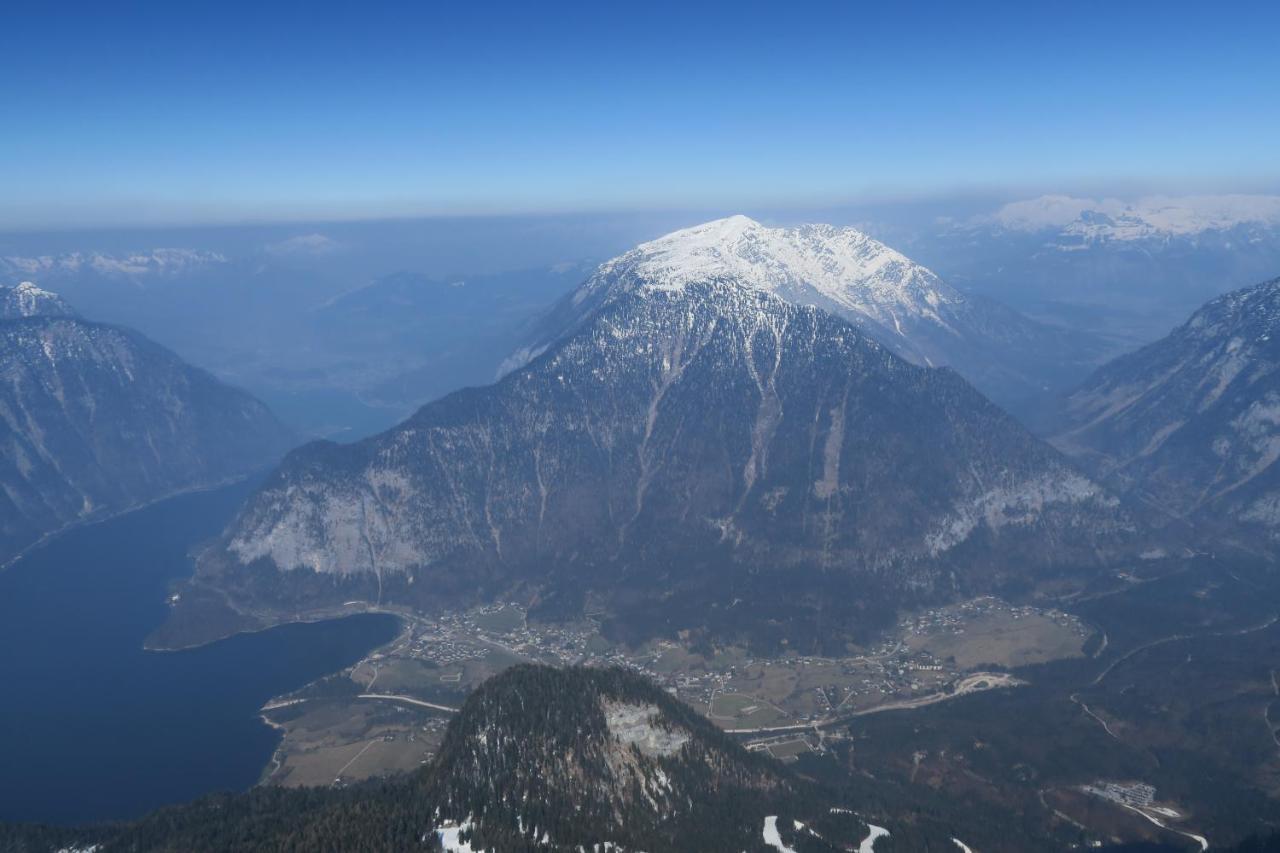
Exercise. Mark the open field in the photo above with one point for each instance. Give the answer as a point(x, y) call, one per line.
point(789, 750)
point(741, 710)
point(342, 740)
point(1003, 638)
point(928, 657)
point(501, 620)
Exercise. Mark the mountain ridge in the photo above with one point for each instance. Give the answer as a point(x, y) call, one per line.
point(96, 419)
point(900, 303)
point(717, 443)
point(1191, 423)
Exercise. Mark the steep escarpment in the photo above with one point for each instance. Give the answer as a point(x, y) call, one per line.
point(95, 419)
point(1191, 423)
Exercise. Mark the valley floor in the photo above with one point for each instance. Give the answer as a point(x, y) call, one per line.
point(386, 713)
point(1139, 681)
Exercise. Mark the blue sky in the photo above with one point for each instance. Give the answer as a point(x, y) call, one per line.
point(209, 112)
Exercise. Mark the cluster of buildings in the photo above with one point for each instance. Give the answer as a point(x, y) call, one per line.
point(1136, 794)
point(953, 618)
point(892, 669)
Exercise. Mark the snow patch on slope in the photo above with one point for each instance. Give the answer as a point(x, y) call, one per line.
point(772, 838)
point(450, 837)
point(868, 844)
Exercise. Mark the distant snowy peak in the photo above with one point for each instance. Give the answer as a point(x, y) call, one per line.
point(28, 300)
point(150, 262)
point(1158, 217)
point(839, 269)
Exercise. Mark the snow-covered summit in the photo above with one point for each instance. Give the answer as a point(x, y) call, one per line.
point(28, 300)
point(839, 269)
point(894, 300)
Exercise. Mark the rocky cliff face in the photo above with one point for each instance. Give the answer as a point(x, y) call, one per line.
point(95, 419)
point(681, 450)
point(1191, 423)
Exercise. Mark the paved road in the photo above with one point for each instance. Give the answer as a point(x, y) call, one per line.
point(408, 700)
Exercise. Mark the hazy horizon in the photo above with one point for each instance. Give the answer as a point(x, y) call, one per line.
point(168, 115)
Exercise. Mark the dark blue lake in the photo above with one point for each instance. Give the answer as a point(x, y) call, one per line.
point(92, 726)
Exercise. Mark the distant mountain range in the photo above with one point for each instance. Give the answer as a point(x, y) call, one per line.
point(691, 447)
point(1127, 271)
point(1086, 220)
point(1191, 423)
point(153, 262)
point(96, 419)
point(337, 353)
point(900, 303)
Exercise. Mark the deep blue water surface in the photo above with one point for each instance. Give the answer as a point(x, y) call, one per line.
point(92, 726)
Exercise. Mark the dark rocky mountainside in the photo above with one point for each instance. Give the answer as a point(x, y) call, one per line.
point(1191, 423)
point(684, 457)
point(588, 757)
point(96, 419)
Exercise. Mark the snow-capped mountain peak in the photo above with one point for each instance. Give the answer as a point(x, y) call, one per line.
point(893, 299)
point(29, 300)
point(840, 269)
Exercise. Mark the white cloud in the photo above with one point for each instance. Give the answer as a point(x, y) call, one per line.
point(1047, 211)
point(305, 244)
